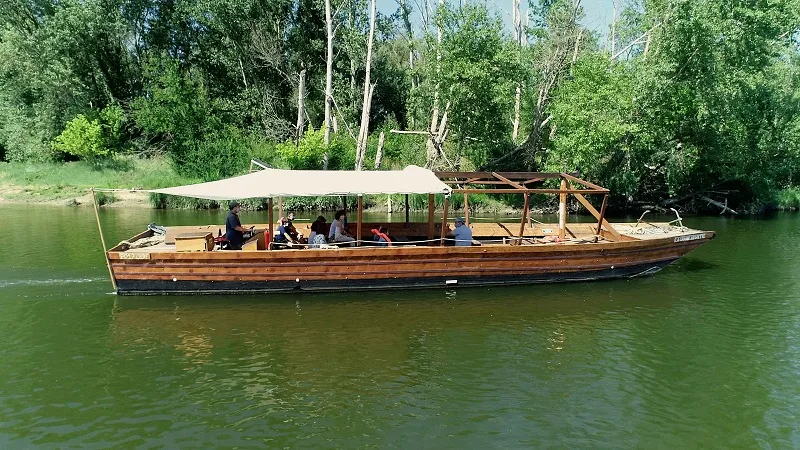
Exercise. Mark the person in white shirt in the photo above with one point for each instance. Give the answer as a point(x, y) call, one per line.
point(337, 232)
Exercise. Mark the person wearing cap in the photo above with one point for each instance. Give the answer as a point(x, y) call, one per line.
point(462, 234)
point(234, 231)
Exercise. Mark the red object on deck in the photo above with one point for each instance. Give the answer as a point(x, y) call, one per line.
point(267, 239)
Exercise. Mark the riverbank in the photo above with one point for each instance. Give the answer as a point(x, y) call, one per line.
point(70, 183)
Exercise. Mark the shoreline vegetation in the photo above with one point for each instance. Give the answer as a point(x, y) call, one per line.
point(679, 104)
point(70, 183)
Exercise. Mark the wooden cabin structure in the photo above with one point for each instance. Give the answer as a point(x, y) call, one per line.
point(422, 255)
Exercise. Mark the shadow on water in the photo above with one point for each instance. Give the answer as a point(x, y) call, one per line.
point(691, 264)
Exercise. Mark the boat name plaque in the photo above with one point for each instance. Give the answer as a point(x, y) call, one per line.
point(126, 255)
point(690, 237)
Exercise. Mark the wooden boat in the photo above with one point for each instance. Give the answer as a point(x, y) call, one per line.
point(420, 257)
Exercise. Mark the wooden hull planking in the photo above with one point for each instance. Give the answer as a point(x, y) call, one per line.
point(366, 268)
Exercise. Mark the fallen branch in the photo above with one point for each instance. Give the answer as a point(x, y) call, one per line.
point(724, 206)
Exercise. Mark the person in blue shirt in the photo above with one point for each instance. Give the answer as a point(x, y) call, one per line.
point(234, 231)
point(462, 234)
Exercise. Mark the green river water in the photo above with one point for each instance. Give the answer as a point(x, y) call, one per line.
point(704, 354)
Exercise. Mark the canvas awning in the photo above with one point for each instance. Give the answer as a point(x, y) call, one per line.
point(314, 183)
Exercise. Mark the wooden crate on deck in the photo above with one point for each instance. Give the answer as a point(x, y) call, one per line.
point(194, 242)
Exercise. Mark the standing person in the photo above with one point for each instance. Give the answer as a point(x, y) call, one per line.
point(462, 234)
point(337, 232)
point(234, 231)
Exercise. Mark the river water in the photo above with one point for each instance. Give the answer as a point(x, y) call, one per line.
point(704, 354)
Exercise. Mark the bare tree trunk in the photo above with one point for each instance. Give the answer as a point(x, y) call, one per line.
point(518, 39)
point(614, 28)
point(328, 80)
point(405, 13)
point(379, 157)
point(361, 147)
point(433, 150)
point(301, 106)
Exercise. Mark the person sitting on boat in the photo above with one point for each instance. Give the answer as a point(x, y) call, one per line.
point(292, 231)
point(282, 236)
point(462, 233)
point(317, 237)
point(318, 227)
point(381, 237)
point(234, 231)
point(338, 232)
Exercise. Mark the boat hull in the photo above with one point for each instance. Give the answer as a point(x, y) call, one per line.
point(391, 268)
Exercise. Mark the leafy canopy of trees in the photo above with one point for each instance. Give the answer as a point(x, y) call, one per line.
point(678, 96)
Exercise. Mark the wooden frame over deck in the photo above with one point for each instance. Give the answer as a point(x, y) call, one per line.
point(518, 183)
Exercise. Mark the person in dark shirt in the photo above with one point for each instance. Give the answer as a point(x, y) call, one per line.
point(234, 231)
point(283, 235)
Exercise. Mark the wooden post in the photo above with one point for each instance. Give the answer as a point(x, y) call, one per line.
point(271, 220)
point(103, 241)
point(360, 219)
point(562, 210)
point(524, 218)
point(466, 209)
point(431, 208)
point(280, 206)
point(602, 214)
point(407, 210)
point(444, 220)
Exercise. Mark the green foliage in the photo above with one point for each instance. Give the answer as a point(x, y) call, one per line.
point(82, 137)
point(92, 139)
point(104, 198)
point(598, 135)
point(311, 151)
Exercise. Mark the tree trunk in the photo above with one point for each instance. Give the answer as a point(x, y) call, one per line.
point(433, 150)
point(614, 28)
point(361, 147)
point(379, 157)
point(328, 79)
point(301, 106)
point(518, 35)
point(405, 13)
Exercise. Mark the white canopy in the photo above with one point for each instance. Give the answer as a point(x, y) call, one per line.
point(314, 183)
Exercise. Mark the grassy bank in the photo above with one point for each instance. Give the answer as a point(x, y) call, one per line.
point(70, 183)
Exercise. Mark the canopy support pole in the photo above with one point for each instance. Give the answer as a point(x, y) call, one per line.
point(444, 220)
point(431, 224)
point(562, 210)
point(360, 219)
point(406, 211)
point(524, 218)
point(280, 207)
point(103, 240)
point(602, 214)
point(271, 220)
point(466, 209)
